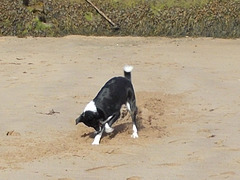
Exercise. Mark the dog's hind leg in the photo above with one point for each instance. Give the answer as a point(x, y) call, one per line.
point(134, 134)
point(132, 108)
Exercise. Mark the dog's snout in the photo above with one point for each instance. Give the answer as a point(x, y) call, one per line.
point(77, 121)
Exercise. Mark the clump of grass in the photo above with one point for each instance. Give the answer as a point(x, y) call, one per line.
point(89, 16)
point(40, 26)
point(36, 27)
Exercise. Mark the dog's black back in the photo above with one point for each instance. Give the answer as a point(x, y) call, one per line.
point(116, 92)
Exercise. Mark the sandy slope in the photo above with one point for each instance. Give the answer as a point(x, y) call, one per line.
point(188, 93)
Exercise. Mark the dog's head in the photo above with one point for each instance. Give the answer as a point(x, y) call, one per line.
point(90, 119)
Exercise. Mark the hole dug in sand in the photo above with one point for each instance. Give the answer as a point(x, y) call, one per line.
point(154, 120)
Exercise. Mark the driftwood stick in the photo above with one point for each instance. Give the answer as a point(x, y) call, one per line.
point(103, 15)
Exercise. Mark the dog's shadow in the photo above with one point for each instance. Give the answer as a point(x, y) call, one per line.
point(118, 129)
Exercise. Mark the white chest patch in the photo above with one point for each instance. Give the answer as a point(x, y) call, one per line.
point(90, 107)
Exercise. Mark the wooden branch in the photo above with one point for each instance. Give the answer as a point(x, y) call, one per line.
point(103, 15)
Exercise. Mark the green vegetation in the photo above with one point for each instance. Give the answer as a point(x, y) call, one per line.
point(172, 18)
point(89, 16)
point(179, 3)
point(40, 26)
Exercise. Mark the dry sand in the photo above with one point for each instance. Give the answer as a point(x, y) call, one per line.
point(188, 94)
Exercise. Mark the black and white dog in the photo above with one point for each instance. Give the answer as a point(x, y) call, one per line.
point(104, 109)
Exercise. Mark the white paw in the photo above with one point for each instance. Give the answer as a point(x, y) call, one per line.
point(108, 129)
point(97, 138)
point(134, 135)
point(95, 143)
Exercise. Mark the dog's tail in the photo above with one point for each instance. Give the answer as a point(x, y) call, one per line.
point(127, 71)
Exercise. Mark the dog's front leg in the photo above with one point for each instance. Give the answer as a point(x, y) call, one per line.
point(97, 138)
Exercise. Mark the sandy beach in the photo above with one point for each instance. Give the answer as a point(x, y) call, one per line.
point(188, 95)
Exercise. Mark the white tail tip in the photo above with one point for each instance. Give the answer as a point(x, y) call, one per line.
point(128, 68)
